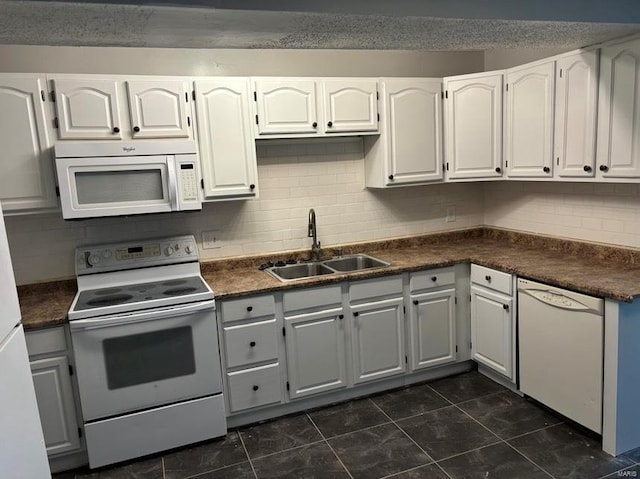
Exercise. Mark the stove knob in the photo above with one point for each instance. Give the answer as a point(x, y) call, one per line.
point(169, 250)
point(94, 259)
point(188, 249)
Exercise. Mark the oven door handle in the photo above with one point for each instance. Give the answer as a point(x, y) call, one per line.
point(131, 318)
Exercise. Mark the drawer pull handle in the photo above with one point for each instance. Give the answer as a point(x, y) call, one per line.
point(255, 388)
point(249, 308)
point(252, 344)
point(505, 307)
point(434, 278)
point(416, 302)
point(356, 314)
point(488, 278)
point(341, 316)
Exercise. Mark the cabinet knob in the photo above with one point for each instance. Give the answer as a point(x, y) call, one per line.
point(356, 314)
point(249, 308)
point(136, 129)
point(391, 177)
point(587, 168)
point(341, 316)
point(314, 124)
point(252, 344)
point(330, 124)
point(434, 278)
point(116, 129)
point(488, 278)
point(416, 302)
point(505, 307)
point(498, 170)
point(604, 168)
point(255, 388)
point(546, 169)
point(252, 186)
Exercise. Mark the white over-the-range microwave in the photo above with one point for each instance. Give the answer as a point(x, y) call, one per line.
point(127, 178)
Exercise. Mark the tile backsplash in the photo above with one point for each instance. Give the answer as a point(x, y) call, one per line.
point(327, 175)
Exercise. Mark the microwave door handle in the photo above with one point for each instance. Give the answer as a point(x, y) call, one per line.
point(173, 182)
point(119, 320)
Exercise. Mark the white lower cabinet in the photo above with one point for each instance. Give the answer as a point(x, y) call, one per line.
point(492, 322)
point(51, 372)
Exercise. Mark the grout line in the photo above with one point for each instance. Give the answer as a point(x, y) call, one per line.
point(331, 448)
point(529, 459)
point(203, 473)
point(480, 397)
point(247, 453)
point(619, 471)
point(290, 449)
point(535, 430)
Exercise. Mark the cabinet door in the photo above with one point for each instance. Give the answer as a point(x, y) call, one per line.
point(433, 329)
point(55, 404)
point(227, 147)
point(576, 103)
point(87, 109)
point(491, 330)
point(159, 109)
point(413, 124)
point(377, 339)
point(350, 105)
point(27, 181)
point(529, 121)
point(315, 352)
point(286, 106)
point(473, 126)
point(619, 111)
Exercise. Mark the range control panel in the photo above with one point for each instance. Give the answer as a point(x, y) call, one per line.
point(133, 255)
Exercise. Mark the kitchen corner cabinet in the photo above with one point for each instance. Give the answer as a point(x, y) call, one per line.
point(314, 322)
point(94, 108)
point(432, 318)
point(308, 107)
point(473, 126)
point(492, 320)
point(51, 372)
point(377, 329)
point(27, 182)
point(618, 154)
point(225, 137)
point(409, 148)
point(529, 94)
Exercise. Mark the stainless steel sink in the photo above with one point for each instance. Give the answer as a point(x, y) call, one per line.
point(299, 271)
point(356, 262)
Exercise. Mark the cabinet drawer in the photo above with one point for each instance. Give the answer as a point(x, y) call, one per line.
point(254, 387)
point(312, 298)
point(248, 308)
point(250, 343)
point(46, 341)
point(375, 288)
point(492, 279)
point(433, 278)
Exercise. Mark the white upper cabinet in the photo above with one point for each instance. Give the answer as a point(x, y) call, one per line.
point(286, 106)
point(95, 108)
point(575, 117)
point(159, 109)
point(473, 126)
point(619, 111)
point(304, 107)
point(87, 109)
point(409, 148)
point(529, 94)
point(27, 180)
point(350, 105)
point(225, 137)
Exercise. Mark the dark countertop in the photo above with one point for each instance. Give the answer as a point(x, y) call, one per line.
point(588, 268)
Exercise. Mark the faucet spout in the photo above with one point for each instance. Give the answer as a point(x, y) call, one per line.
point(316, 250)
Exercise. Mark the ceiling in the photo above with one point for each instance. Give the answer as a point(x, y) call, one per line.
point(326, 24)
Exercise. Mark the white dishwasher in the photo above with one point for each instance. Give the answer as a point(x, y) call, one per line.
point(560, 337)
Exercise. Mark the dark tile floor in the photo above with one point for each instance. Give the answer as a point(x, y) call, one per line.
point(464, 426)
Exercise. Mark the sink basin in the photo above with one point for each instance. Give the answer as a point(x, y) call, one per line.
point(356, 262)
point(299, 271)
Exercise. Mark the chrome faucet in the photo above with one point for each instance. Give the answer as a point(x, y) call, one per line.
point(316, 250)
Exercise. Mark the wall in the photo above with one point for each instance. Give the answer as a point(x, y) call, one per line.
point(295, 176)
point(510, 57)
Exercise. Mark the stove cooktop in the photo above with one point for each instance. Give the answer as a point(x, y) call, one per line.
point(93, 299)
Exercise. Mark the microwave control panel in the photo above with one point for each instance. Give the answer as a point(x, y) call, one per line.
point(188, 184)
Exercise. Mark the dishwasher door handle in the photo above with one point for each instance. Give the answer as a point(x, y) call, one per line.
point(557, 300)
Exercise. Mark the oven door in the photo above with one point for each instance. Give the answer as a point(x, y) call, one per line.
point(93, 187)
point(136, 361)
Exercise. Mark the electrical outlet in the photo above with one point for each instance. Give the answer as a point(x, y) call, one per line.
point(451, 214)
point(211, 239)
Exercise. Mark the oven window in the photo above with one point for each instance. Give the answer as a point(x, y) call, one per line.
point(95, 187)
point(149, 357)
